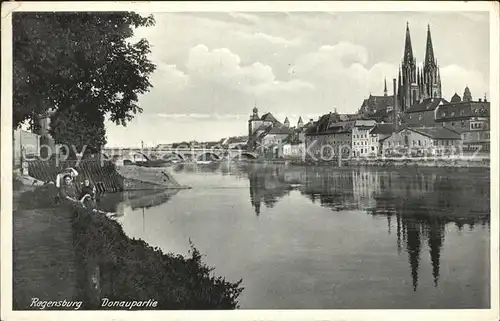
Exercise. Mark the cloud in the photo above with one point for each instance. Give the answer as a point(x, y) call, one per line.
point(260, 36)
point(223, 67)
point(245, 16)
point(340, 70)
point(203, 116)
point(171, 78)
point(454, 79)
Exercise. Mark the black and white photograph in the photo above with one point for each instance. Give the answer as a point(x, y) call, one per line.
point(334, 157)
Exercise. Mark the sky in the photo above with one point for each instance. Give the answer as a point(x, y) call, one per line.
point(213, 68)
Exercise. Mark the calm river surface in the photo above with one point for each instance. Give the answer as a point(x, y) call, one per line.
point(319, 237)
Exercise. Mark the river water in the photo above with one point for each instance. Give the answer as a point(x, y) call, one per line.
point(329, 238)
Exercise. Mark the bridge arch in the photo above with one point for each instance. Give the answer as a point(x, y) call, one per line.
point(245, 155)
point(178, 155)
point(214, 155)
point(141, 154)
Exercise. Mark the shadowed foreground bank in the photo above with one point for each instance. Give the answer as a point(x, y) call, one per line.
point(68, 253)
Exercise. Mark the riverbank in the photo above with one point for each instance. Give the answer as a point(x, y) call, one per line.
point(480, 162)
point(69, 253)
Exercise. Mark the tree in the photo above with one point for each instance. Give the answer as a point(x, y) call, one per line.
point(78, 131)
point(84, 62)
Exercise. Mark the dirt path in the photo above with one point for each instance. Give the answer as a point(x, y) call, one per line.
point(43, 256)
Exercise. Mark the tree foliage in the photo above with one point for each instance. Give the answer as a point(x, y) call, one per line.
point(80, 131)
point(88, 62)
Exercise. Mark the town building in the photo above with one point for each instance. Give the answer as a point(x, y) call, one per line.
point(423, 113)
point(329, 135)
point(361, 139)
point(470, 118)
point(267, 136)
point(422, 140)
point(28, 144)
point(234, 142)
point(378, 108)
point(163, 146)
point(275, 136)
point(378, 134)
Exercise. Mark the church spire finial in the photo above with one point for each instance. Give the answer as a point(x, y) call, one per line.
point(429, 50)
point(408, 54)
point(385, 86)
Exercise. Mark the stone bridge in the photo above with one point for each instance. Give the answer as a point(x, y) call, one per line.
point(178, 154)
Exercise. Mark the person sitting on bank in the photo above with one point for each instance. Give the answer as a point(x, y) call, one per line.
point(68, 190)
point(87, 194)
point(87, 189)
point(68, 171)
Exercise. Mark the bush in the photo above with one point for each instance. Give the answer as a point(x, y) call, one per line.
point(131, 269)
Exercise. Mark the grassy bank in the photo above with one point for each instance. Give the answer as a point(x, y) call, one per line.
point(104, 262)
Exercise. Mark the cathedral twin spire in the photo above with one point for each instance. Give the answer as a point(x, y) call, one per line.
point(416, 84)
point(429, 50)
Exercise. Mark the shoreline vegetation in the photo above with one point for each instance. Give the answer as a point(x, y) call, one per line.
point(104, 262)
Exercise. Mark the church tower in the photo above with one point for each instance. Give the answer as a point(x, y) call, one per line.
point(416, 84)
point(300, 123)
point(409, 92)
point(467, 94)
point(432, 78)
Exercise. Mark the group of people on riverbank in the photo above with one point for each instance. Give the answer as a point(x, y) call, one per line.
point(83, 194)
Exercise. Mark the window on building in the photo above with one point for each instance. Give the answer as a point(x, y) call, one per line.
point(425, 143)
point(452, 113)
point(414, 143)
point(462, 112)
point(419, 143)
point(373, 148)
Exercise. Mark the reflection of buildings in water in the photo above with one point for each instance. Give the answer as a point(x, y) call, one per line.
point(295, 175)
point(422, 201)
point(267, 186)
point(423, 204)
point(365, 185)
point(333, 188)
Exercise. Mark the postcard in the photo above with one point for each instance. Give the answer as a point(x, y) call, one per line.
point(250, 160)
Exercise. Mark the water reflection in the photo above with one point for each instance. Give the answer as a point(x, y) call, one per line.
point(267, 186)
point(422, 202)
point(418, 207)
point(145, 199)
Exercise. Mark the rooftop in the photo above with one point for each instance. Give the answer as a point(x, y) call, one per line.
point(426, 105)
point(436, 132)
point(383, 129)
point(375, 103)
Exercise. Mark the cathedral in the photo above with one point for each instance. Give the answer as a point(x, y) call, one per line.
point(416, 84)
